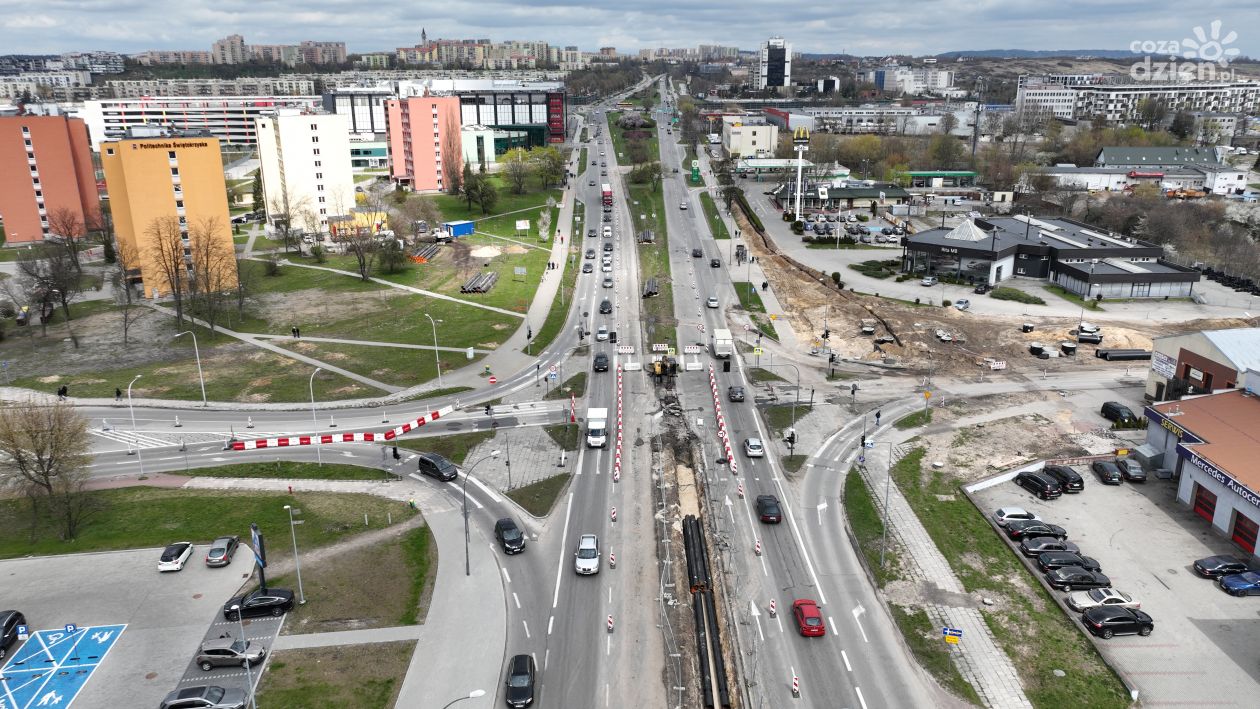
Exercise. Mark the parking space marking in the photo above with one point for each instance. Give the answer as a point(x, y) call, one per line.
point(52, 666)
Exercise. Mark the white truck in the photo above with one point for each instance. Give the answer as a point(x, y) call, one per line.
point(597, 428)
point(723, 344)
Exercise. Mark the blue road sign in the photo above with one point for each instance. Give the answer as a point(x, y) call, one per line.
point(51, 668)
point(861, 458)
point(951, 632)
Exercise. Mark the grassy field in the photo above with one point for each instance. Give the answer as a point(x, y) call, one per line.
point(920, 417)
point(558, 313)
point(285, 470)
point(658, 312)
point(453, 447)
point(760, 374)
point(574, 385)
point(1015, 294)
point(986, 566)
point(750, 301)
point(367, 676)
point(619, 140)
point(716, 226)
point(779, 416)
point(540, 497)
point(402, 367)
point(566, 435)
point(140, 517)
point(509, 208)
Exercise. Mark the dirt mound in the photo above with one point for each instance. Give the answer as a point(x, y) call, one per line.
point(487, 252)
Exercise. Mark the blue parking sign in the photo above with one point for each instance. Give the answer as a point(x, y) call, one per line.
point(23, 632)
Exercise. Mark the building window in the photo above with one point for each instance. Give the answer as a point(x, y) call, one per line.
point(323, 211)
point(319, 175)
point(321, 199)
point(319, 163)
point(314, 126)
point(314, 138)
point(319, 188)
point(316, 151)
point(170, 154)
point(174, 172)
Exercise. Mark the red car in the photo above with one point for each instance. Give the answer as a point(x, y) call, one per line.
point(808, 618)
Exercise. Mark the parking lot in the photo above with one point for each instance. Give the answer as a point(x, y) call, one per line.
point(166, 616)
point(1203, 650)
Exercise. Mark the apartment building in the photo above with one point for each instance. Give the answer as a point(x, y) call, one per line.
point(899, 80)
point(1058, 99)
point(175, 56)
point(304, 159)
point(1122, 102)
point(229, 119)
point(45, 168)
point(424, 137)
point(230, 50)
point(245, 86)
point(363, 107)
point(167, 194)
point(37, 83)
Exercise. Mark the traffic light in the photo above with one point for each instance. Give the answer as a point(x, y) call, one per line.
point(853, 389)
point(831, 358)
point(826, 334)
point(791, 437)
point(863, 441)
point(487, 409)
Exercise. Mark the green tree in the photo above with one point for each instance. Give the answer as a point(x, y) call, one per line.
point(1151, 112)
point(945, 151)
point(549, 165)
point(258, 190)
point(516, 170)
point(469, 185)
point(391, 257)
point(487, 195)
point(1182, 125)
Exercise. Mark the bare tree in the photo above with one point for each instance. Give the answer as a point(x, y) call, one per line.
point(50, 277)
point(46, 458)
point(361, 243)
point(166, 251)
point(516, 170)
point(65, 224)
point(125, 272)
point(452, 155)
point(286, 214)
point(213, 272)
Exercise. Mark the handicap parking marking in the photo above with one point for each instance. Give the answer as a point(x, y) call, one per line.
point(50, 669)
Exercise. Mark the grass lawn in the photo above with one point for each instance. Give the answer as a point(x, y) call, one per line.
point(876, 268)
point(286, 471)
point(716, 226)
point(367, 676)
point(749, 298)
point(986, 566)
point(402, 367)
point(1072, 297)
point(453, 446)
point(566, 435)
point(779, 416)
point(558, 313)
point(540, 497)
point(760, 374)
point(688, 157)
point(507, 209)
point(1015, 294)
point(868, 528)
point(930, 650)
point(921, 417)
point(793, 463)
point(575, 385)
point(619, 139)
point(140, 517)
point(647, 211)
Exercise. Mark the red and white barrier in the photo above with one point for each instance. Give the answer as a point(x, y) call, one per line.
point(757, 548)
point(346, 437)
point(796, 681)
point(613, 515)
point(740, 490)
point(612, 560)
point(773, 609)
point(610, 624)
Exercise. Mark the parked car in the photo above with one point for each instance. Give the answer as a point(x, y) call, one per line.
point(753, 448)
point(1070, 480)
point(1131, 470)
point(809, 620)
point(1081, 601)
point(1033, 547)
point(519, 684)
point(1006, 515)
point(222, 550)
point(174, 556)
point(1244, 584)
point(9, 622)
point(228, 652)
point(1070, 577)
point(982, 288)
point(962, 303)
point(205, 696)
point(1106, 621)
point(1043, 486)
point(587, 555)
point(600, 362)
point(929, 281)
point(1107, 471)
point(735, 393)
point(1214, 567)
point(509, 535)
point(1115, 411)
point(436, 466)
point(1020, 529)
point(768, 510)
point(1052, 560)
point(259, 602)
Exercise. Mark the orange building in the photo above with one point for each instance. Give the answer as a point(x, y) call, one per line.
point(424, 135)
point(167, 195)
point(45, 168)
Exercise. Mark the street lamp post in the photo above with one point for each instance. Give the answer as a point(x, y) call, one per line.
point(436, 357)
point(471, 695)
point(249, 676)
point(887, 490)
point(319, 457)
point(197, 354)
point(296, 563)
point(1089, 286)
point(795, 399)
point(464, 495)
point(134, 437)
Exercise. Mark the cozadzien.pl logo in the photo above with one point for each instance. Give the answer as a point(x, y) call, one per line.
point(1203, 57)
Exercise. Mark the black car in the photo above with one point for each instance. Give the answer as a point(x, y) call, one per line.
point(436, 466)
point(608, 247)
point(1068, 578)
point(1036, 546)
point(587, 267)
point(590, 232)
point(605, 307)
point(1052, 560)
point(1070, 480)
point(1131, 470)
point(260, 602)
point(520, 681)
point(590, 253)
point(696, 253)
point(715, 263)
point(509, 536)
point(600, 363)
point(1106, 621)
point(768, 509)
point(1115, 411)
point(1107, 471)
point(1020, 528)
point(981, 289)
point(1043, 486)
point(9, 622)
point(735, 393)
point(1212, 567)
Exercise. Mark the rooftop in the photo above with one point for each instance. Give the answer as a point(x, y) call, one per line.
point(1241, 345)
point(998, 233)
point(1113, 156)
point(1229, 423)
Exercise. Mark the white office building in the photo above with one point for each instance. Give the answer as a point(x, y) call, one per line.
point(774, 65)
point(305, 166)
point(748, 138)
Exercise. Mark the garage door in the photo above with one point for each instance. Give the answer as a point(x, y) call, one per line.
point(1204, 503)
point(1244, 534)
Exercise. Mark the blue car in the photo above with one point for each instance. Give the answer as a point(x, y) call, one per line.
point(1246, 584)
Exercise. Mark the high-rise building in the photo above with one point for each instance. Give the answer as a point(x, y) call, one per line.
point(774, 68)
point(424, 138)
point(45, 169)
point(229, 118)
point(168, 199)
point(230, 50)
point(363, 107)
point(304, 158)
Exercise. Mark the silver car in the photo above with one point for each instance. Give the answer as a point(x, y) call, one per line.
point(227, 652)
point(587, 555)
point(205, 697)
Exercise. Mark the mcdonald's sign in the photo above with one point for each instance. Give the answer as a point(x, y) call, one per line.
point(800, 138)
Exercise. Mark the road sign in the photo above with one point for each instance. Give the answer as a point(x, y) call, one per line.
point(757, 351)
point(951, 632)
point(660, 347)
point(23, 632)
point(670, 351)
point(552, 368)
point(997, 364)
point(869, 444)
point(862, 458)
point(552, 376)
point(952, 639)
point(692, 349)
point(927, 395)
point(493, 379)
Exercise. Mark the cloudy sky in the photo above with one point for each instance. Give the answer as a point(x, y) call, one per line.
point(918, 27)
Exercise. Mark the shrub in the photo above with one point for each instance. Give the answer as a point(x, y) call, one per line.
point(317, 253)
point(835, 277)
point(1019, 296)
point(946, 303)
point(863, 218)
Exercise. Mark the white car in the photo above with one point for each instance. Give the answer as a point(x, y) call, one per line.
point(682, 205)
point(1005, 515)
point(753, 448)
point(607, 267)
point(928, 281)
point(601, 334)
point(962, 303)
point(587, 555)
point(712, 302)
point(174, 556)
point(1081, 601)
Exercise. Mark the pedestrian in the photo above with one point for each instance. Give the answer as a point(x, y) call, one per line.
point(117, 394)
point(396, 456)
point(293, 331)
point(61, 393)
point(877, 418)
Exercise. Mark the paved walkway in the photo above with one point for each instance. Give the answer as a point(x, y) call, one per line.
point(367, 343)
point(349, 637)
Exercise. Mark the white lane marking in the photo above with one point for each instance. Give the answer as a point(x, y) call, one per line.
point(489, 493)
point(756, 614)
point(845, 656)
point(860, 697)
point(506, 575)
point(857, 612)
point(608, 649)
point(550, 621)
point(822, 507)
point(471, 498)
point(546, 658)
point(555, 597)
point(610, 595)
point(527, 636)
point(765, 571)
point(832, 623)
point(517, 600)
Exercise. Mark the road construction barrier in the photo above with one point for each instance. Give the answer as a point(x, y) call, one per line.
point(757, 548)
point(613, 514)
point(773, 610)
point(347, 437)
point(740, 490)
point(610, 624)
point(612, 560)
point(177, 423)
point(796, 682)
